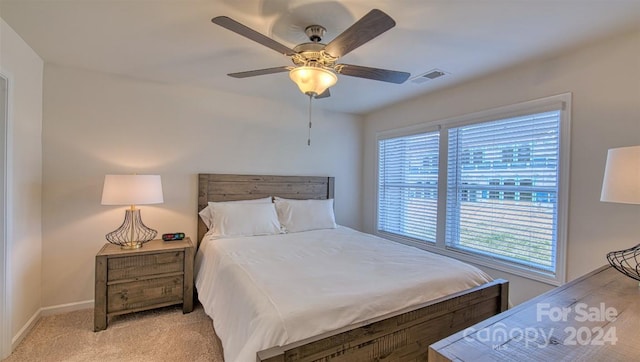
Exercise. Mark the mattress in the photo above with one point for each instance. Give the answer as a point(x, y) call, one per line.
point(266, 291)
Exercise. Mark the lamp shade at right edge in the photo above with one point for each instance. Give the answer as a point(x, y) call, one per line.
point(621, 183)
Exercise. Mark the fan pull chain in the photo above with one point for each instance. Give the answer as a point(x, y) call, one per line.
point(309, 135)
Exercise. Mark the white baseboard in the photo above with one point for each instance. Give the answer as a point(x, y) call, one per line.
point(46, 311)
point(26, 329)
point(64, 308)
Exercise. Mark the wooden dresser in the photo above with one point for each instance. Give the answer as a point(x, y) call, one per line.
point(593, 318)
point(157, 275)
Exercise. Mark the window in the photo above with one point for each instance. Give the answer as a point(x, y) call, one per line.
point(408, 185)
point(502, 197)
point(505, 225)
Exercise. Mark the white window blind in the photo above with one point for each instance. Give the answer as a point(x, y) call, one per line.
point(502, 177)
point(408, 185)
point(502, 189)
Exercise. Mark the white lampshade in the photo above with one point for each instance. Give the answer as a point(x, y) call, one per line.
point(622, 176)
point(313, 80)
point(132, 190)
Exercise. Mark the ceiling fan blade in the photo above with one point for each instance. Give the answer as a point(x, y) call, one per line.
point(384, 75)
point(249, 33)
point(253, 73)
point(325, 94)
point(368, 27)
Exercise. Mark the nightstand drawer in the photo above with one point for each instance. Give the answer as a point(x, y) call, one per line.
point(144, 293)
point(134, 266)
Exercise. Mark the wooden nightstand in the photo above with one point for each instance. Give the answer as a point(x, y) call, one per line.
point(157, 275)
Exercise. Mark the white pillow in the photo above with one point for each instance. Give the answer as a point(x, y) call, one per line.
point(304, 215)
point(207, 216)
point(243, 219)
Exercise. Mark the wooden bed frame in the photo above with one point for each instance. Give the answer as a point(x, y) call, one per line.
point(404, 335)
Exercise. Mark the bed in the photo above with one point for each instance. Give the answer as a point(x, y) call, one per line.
point(308, 311)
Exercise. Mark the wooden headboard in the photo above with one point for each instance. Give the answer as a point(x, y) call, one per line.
point(218, 187)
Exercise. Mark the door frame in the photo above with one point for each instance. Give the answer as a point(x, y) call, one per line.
point(5, 301)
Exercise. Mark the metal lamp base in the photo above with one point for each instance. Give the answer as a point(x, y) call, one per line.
point(626, 261)
point(131, 246)
point(132, 233)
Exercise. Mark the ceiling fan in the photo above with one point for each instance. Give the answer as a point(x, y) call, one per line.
point(316, 63)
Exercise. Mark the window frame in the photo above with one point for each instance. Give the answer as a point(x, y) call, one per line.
point(561, 102)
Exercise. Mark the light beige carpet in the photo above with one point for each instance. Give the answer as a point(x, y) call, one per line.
point(159, 335)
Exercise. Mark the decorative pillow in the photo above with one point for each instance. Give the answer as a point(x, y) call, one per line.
point(304, 215)
point(207, 216)
point(243, 219)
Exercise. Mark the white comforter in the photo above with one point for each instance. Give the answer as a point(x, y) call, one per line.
point(266, 291)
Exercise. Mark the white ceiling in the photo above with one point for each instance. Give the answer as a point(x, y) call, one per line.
point(174, 41)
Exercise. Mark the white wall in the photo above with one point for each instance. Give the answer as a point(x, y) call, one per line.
point(24, 69)
point(605, 81)
point(95, 124)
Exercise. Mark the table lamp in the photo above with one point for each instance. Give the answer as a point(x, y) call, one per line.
point(621, 184)
point(132, 190)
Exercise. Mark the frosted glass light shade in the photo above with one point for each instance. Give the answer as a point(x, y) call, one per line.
point(132, 190)
point(621, 182)
point(313, 80)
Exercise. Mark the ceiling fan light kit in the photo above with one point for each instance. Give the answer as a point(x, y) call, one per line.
point(313, 80)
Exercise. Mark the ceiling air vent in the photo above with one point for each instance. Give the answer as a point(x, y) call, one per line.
point(430, 75)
